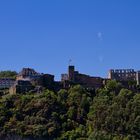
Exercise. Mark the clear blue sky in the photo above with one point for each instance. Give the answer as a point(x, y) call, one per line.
point(44, 34)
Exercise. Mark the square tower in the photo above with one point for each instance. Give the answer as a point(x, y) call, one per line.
point(71, 71)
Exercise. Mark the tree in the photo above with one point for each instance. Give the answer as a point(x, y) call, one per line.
point(8, 74)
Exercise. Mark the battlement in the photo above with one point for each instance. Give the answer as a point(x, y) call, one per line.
point(122, 70)
point(124, 75)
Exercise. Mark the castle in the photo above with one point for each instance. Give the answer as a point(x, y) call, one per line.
point(125, 75)
point(30, 80)
point(74, 77)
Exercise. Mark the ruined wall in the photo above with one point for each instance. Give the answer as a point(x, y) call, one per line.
point(122, 74)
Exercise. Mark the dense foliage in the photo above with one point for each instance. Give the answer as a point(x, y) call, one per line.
point(8, 74)
point(110, 113)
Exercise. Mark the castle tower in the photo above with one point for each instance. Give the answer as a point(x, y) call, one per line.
point(110, 74)
point(71, 71)
point(138, 77)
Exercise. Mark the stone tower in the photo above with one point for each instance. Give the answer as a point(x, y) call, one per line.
point(138, 77)
point(71, 71)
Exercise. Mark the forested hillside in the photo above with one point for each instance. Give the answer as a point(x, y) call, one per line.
point(110, 113)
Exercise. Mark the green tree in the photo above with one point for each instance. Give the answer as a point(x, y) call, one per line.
point(8, 74)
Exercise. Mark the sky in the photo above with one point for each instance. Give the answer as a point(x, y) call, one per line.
point(97, 35)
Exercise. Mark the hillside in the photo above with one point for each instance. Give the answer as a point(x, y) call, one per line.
point(109, 113)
